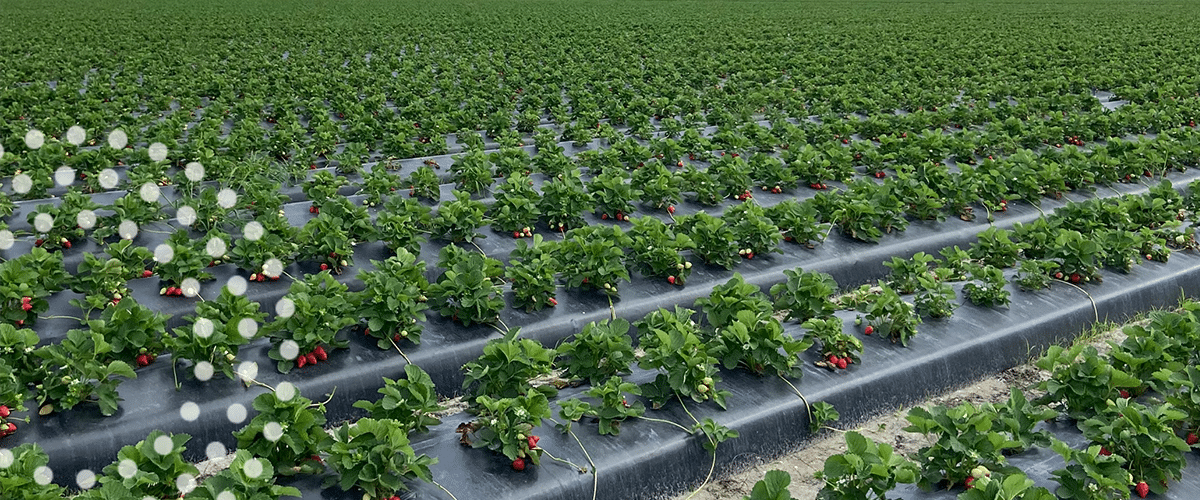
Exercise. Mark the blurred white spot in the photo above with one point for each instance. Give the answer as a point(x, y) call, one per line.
point(86, 479)
point(253, 468)
point(236, 413)
point(285, 391)
point(272, 431)
point(186, 215)
point(43, 475)
point(109, 178)
point(163, 445)
point(236, 285)
point(86, 219)
point(289, 349)
point(194, 171)
point(285, 308)
point(127, 468)
point(6, 458)
point(215, 450)
point(34, 139)
point(253, 231)
point(247, 371)
point(186, 483)
point(64, 176)
point(226, 198)
point(190, 286)
point(157, 152)
point(273, 268)
point(1, 150)
point(76, 135)
point(226, 495)
point(189, 411)
point(43, 222)
point(22, 183)
point(128, 229)
point(150, 192)
point(203, 328)
point(215, 247)
point(203, 371)
point(117, 139)
point(247, 328)
point(7, 239)
point(164, 253)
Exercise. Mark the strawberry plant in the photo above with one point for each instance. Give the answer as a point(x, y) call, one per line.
point(322, 308)
point(324, 240)
point(773, 486)
point(208, 211)
point(593, 257)
point(906, 274)
point(838, 350)
point(804, 295)
point(101, 282)
point(655, 250)
point(374, 456)
point(61, 227)
point(986, 288)
point(598, 352)
point(507, 367)
point(1144, 436)
point(713, 239)
point(799, 222)
point(726, 301)
point(997, 486)
point(472, 172)
point(613, 409)
point(286, 431)
point(276, 240)
point(247, 477)
point(934, 298)
point(1034, 274)
point(401, 224)
point(321, 187)
point(769, 172)
point(467, 291)
point(26, 282)
point(1091, 474)
point(356, 222)
point(866, 470)
point(890, 315)
point(659, 187)
point(457, 220)
point(158, 463)
point(1076, 255)
point(215, 333)
point(756, 341)
point(532, 273)
point(961, 439)
point(21, 479)
point(77, 370)
point(133, 331)
point(1080, 381)
point(130, 207)
point(672, 346)
point(378, 185)
point(564, 200)
point(411, 401)
point(704, 186)
point(392, 301)
point(516, 207)
point(753, 231)
point(505, 426)
point(612, 194)
point(188, 258)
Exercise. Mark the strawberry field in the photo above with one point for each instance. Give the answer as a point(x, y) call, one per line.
point(588, 249)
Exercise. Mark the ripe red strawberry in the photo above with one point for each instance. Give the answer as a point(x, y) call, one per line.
point(1058, 275)
point(516, 234)
point(1104, 452)
point(147, 273)
point(533, 441)
point(832, 359)
point(4, 412)
point(869, 330)
point(38, 243)
point(26, 307)
point(67, 244)
point(1075, 278)
point(324, 267)
point(841, 363)
point(1142, 489)
point(143, 360)
point(553, 302)
point(1192, 438)
point(312, 358)
point(671, 280)
point(301, 361)
point(1124, 393)
point(670, 209)
point(320, 353)
point(603, 216)
point(518, 464)
point(969, 481)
